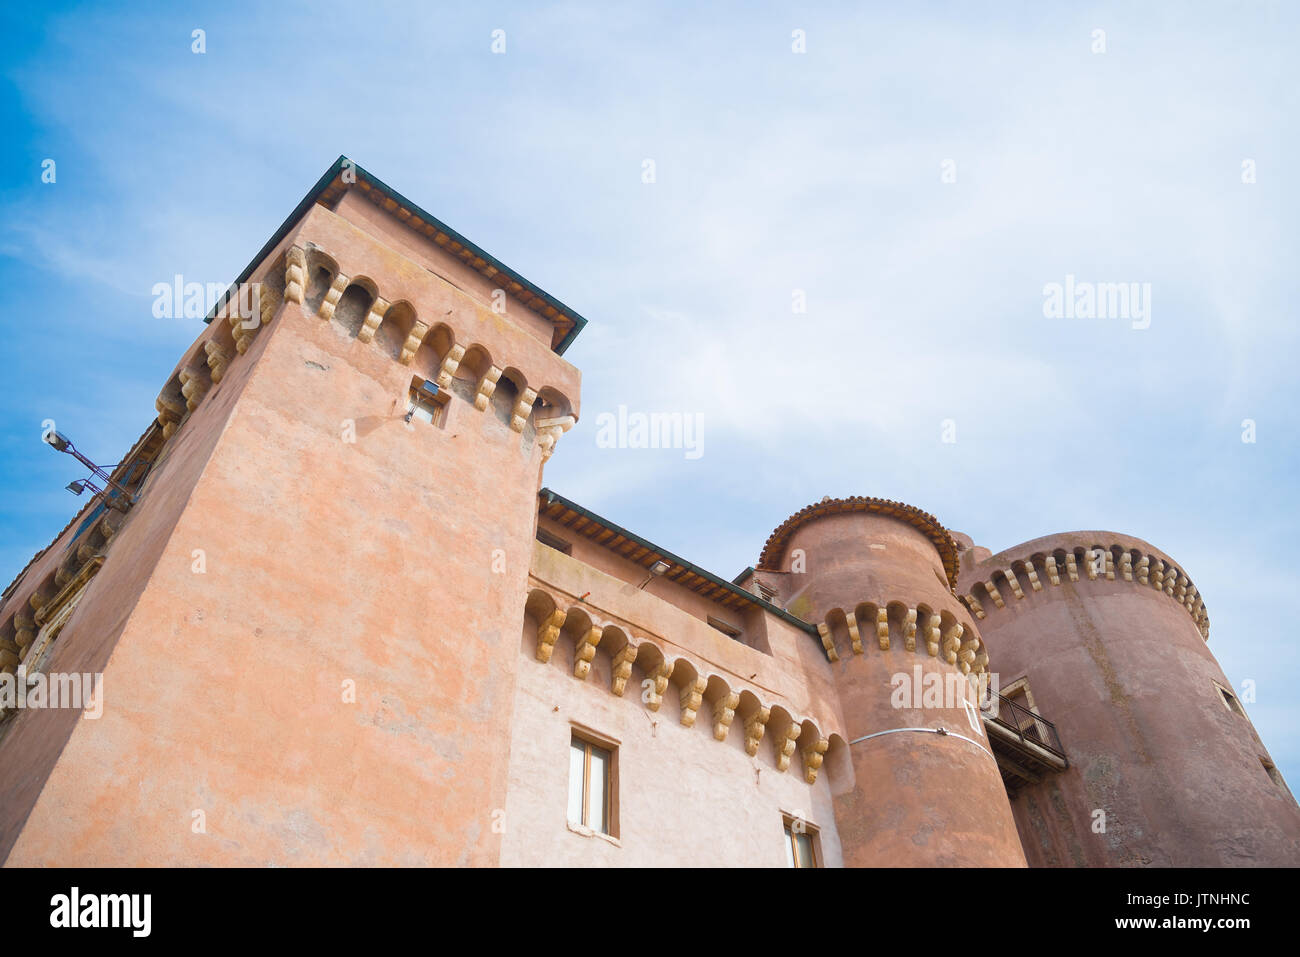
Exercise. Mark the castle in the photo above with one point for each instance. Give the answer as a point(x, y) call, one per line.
point(340, 620)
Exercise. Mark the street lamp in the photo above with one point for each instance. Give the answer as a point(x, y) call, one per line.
point(61, 443)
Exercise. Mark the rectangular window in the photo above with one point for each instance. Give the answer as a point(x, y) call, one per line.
point(731, 631)
point(1230, 700)
point(426, 403)
point(800, 843)
point(1273, 773)
point(591, 785)
point(554, 541)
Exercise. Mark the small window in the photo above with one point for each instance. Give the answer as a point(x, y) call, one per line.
point(731, 631)
point(426, 403)
point(800, 843)
point(1273, 772)
point(766, 592)
point(592, 785)
point(554, 541)
point(1230, 700)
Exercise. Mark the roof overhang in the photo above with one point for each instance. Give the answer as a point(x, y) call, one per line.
point(346, 174)
point(636, 549)
point(923, 522)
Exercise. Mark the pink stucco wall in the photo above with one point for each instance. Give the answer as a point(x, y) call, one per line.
point(396, 562)
point(1122, 670)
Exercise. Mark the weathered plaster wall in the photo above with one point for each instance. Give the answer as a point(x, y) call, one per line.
point(1122, 670)
point(109, 608)
point(917, 798)
point(424, 251)
point(795, 674)
point(590, 553)
point(396, 562)
point(686, 799)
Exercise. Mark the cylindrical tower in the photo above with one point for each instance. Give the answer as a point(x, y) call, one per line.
point(1106, 636)
point(878, 578)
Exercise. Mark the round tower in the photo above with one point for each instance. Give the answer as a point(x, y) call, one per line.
point(1105, 636)
point(878, 578)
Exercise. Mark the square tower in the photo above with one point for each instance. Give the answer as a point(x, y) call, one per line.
point(307, 622)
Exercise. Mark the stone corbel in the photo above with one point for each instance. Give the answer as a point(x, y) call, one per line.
point(519, 416)
point(170, 413)
point(373, 318)
point(621, 668)
point(194, 386)
point(755, 725)
point(1126, 566)
point(785, 747)
point(332, 297)
point(239, 330)
point(812, 759)
point(852, 621)
point(24, 631)
point(827, 641)
point(547, 632)
point(295, 274)
point(1053, 575)
point(1071, 566)
point(882, 628)
point(952, 642)
point(909, 630)
point(1033, 576)
point(974, 605)
point(87, 547)
point(450, 363)
point(487, 385)
point(1144, 569)
point(1090, 560)
point(585, 652)
point(242, 328)
point(217, 360)
point(1014, 583)
point(111, 523)
point(68, 567)
point(659, 676)
point(413, 341)
point(1110, 565)
point(1158, 575)
point(996, 595)
point(932, 636)
point(549, 432)
point(265, 308)
point(41, 597)
point(724, 712)
point(967, 652)
point(692, 696)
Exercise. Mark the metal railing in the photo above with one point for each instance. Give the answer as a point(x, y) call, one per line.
point(1030, 727)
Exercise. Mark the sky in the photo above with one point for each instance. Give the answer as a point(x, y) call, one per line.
point(915, 177)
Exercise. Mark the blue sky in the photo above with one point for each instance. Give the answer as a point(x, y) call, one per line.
point(775, 171)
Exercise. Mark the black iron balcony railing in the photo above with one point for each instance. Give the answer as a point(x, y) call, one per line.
point(1029, 727)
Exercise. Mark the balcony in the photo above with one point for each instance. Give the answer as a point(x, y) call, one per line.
point(1025, 744)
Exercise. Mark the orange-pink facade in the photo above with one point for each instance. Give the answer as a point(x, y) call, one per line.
point(332, 632)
